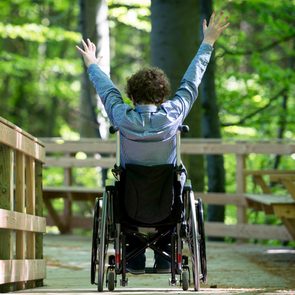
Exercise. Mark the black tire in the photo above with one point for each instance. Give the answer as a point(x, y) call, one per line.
point(111, 280)
point(94, 242)
point(102, 243)
point(202, 241)
point(185, 280)
point(192, 238)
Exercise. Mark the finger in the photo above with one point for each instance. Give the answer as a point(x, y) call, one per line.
point(93, 46)
point(223, 21)
point(219, 17)
point(212, 18)
point(224, 27)
point(84, 45)
point(81, 50)
point(89, 43)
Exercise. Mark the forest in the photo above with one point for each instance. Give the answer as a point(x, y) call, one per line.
point(247, 92)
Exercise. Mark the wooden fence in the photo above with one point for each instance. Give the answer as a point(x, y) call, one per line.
point(21, 208)
point(101, 153)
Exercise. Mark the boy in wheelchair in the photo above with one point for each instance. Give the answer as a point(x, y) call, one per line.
point(149, 173)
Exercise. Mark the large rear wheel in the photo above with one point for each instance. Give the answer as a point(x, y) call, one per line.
point(102, 243)
point(94, 242)
point(202, 240)
point(192, 238)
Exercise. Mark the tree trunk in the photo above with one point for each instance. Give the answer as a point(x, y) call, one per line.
point(211, 127)
point(94, 25)
point(174, 42)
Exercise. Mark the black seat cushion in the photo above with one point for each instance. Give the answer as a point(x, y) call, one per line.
point(149, 192)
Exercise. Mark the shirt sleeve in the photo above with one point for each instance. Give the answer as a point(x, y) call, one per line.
point(107, 91)
point(186, 94)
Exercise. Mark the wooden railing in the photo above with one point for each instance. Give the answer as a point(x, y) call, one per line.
point(63, 154)
point(21, 208)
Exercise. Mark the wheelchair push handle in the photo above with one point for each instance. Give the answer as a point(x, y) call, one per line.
point(113, 130)
point(183, 128)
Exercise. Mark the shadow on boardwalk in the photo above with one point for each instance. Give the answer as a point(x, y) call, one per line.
point(232, 269)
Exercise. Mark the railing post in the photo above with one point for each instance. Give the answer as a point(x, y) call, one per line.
point(241, 185)
point(39, 212)
point(6, 202)
point(30, 198)
point(20, 206)
point(68, 180)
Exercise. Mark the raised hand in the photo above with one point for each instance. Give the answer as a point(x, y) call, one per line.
point(89, 52)
point(217, 25)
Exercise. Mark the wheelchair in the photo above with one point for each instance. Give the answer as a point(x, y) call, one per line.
point(166, 209)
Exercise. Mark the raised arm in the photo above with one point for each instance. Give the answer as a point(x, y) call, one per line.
point(107, 91)
point(188, 91)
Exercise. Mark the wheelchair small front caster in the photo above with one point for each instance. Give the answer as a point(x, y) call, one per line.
point(185, 279)
point(111, 279)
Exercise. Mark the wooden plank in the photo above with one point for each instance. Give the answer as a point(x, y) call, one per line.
point(189, 146)
point(268, 199)
point(290, 225)
point(21, 221)
point(39, 212)
point(270, 172)
point(222, 198)
point(83, 145)
point(6, 201)
point(258, 179)
point(258, 206)
point(240, 186)
point(206, 148)
point(20, 245)
point(67, 162)
point(31, 209)
point(21, 270)
point(68, 180)
point(17, 139)
point(290, 185)
point(12, 126)
point(73, 189)
point(248, 231)
point(31, 205)
point(284, 210)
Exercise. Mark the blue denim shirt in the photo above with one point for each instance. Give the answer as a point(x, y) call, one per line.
point(148, 132)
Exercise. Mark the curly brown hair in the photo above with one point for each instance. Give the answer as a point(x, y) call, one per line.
point(148, 86)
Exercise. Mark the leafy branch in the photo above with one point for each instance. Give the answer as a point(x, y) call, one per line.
point(252, 114)
point(257, 50)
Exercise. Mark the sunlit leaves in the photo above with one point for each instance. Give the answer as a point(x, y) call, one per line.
point(37, 33)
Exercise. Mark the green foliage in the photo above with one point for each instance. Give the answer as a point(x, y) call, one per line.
point(255, 61)
point(39, 64)
point(40, 72)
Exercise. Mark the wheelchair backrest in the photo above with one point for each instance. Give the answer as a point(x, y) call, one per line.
point(150, 192)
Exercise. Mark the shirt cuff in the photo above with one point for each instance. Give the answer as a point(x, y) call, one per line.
point(91, 67)
point(207, 46)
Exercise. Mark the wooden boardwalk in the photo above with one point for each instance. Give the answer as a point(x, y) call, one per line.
point(232, 269)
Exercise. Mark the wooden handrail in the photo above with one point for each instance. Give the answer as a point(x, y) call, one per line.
point(66, 154)
point(21, 209)
point(188, 146)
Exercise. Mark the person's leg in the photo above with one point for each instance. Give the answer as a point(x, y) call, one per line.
point(162, 264)
point(137, 264)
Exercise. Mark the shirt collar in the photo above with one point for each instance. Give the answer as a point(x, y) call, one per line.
point(146, 108)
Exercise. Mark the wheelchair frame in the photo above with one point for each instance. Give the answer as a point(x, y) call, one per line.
point(107, 231)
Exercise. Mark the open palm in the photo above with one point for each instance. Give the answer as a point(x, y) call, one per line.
point(89, 52)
